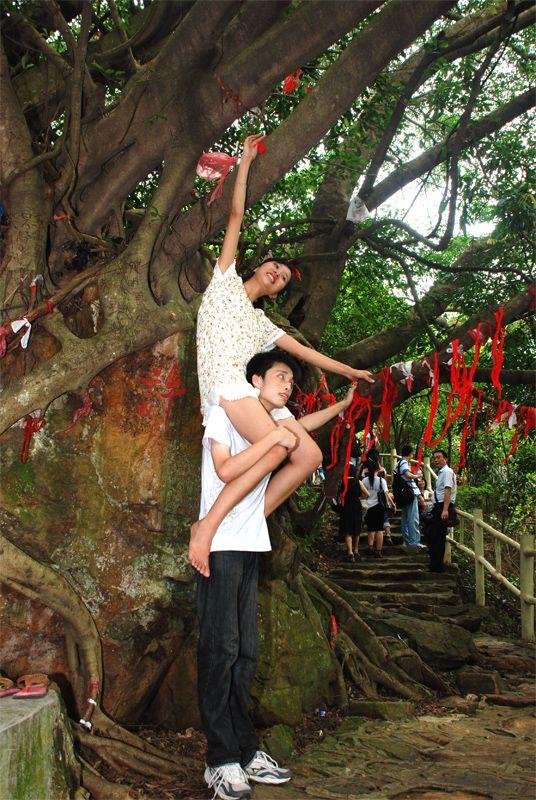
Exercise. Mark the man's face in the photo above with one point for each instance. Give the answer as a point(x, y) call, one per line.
point(276, 386)
point(439, 460)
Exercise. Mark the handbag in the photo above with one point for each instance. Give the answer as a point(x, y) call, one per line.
point(382, 497)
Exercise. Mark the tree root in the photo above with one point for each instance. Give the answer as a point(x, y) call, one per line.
point(377, 664)
point(101, 789)
point(42, 583)
point(116, 753)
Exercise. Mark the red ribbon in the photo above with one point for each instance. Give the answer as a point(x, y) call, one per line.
point(291, 81)
point(333, 630)
point(497, 350)
point(31, 425)
point(389, 396)
point(215, 166)
point(427, 436)
point(3, 339)
point(83, 411)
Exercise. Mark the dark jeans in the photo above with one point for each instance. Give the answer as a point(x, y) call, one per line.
point(227, 655)
point(436, 532)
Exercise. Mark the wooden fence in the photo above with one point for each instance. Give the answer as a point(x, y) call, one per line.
point(473, 526)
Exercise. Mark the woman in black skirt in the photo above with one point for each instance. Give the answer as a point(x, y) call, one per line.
point(374, 518)
point(350, 519)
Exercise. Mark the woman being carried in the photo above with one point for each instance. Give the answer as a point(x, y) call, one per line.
point(229, 332)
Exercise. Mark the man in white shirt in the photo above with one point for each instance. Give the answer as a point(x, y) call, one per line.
point(409, 520)
point(444, 497)
point(227, 599)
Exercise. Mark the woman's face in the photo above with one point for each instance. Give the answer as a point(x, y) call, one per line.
point(273, 276)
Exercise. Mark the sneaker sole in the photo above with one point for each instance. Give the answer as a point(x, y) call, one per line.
point(272, 781)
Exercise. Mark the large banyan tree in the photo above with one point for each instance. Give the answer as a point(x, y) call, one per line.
point(108, 239)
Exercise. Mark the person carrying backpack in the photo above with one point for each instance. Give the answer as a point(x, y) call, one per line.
point(404, 483)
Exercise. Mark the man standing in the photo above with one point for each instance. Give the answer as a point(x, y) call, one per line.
point(444, 497)
point(227, 599)
point(410, 513)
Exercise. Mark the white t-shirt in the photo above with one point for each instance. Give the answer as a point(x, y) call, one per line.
point(404, 467)
point(372, 499)
point(446, 477)
point(244, 527)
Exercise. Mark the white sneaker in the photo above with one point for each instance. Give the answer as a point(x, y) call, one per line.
point(264, 769)
point(229, 782)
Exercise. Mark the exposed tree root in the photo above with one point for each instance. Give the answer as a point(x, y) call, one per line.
point(101, 789)
point(42, 583)
point(116, 753)
point(365, 656)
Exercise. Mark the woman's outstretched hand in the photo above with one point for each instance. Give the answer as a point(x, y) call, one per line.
point(250, 146)
point(360, 375)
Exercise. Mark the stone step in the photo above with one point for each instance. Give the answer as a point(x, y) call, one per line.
point(416, 600)
point(374, 572)
point(408, 587)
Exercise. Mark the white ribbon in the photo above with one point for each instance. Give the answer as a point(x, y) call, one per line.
point(16, 325)
point(93, 702)
point(450, 349)
point(86, 723)
point(357, 210)
point(405, 369)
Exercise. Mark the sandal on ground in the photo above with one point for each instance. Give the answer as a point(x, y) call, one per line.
point(350, 558)
point(357, 557)
point(34, 685)
point(7, 687)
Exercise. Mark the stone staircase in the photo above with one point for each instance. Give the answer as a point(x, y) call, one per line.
point(401, 580)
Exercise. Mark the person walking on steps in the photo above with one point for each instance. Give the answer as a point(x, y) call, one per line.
point(350, 519)
point(377, 502)
point(410, 512)
point(443, 510)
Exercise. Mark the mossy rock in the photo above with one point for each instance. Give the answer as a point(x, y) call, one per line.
point(278, 741)
point(381, 709)
point(37, 760)
point(295, 672)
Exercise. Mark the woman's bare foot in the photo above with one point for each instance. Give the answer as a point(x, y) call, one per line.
point(199, 549)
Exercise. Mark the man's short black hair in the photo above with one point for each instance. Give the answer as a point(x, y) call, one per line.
point(443, 453)
point(407, 450)
point(262, 362)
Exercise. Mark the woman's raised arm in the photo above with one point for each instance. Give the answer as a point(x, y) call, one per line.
point(236, 215)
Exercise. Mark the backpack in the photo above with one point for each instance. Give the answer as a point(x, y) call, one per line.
point(402, 491)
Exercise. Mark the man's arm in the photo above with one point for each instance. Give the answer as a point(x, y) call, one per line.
point(446, 503)
point(313, 421)
point(229, 467)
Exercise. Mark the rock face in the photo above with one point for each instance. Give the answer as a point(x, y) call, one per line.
point(37, 760)
point(110, 501)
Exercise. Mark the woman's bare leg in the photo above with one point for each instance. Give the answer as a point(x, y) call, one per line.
point(302, 462)
point(253, 422)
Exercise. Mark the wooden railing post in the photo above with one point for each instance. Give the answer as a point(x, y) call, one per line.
point(461, 531)
point(448, 547)
point(480, 587)
point(393, 459)
point(498, 554)
point(526, 585)
point(427, 473)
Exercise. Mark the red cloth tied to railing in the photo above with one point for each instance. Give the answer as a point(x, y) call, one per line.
point(215, 166)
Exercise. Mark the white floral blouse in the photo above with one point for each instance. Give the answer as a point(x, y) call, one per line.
point(229, 332)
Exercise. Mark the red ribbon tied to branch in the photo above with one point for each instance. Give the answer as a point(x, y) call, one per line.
point(31, 425)
point(291, 81)
point(497, 349)
point(215, 166)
